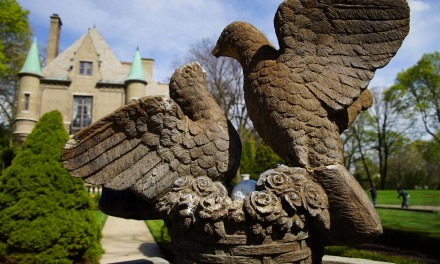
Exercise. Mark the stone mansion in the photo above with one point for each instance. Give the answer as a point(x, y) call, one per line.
point(85, 82)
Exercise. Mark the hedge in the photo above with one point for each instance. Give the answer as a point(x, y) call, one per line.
point(44, 212)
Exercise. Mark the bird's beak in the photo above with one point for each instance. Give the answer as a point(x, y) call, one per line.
point(216, 51)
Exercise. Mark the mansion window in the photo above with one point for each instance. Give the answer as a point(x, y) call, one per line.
point(85, 68)
point(82, 112)
point(26, 101)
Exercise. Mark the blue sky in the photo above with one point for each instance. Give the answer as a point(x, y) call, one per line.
point(165, 29)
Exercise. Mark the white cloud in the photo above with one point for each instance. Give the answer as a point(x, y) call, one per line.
point(418, 5)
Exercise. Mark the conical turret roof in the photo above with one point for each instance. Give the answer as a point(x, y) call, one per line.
point(32, 64)
point(136, 70)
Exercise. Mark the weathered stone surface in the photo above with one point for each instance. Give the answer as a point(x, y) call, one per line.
point(353, 217)
point(272, 223)
point(301, 96)
point(176, 154)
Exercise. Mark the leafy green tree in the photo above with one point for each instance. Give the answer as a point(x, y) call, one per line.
point(431, 159)
point(358, 141)
point(376, 136)
point(418, 163)
point(349, 148)
point(416, 93)
point(7, 151)
point(266, 159)
point(44, 212)
point(406, 168)
point(388, 129)
point(14, 44)
point(366, 173)
point(256, 160)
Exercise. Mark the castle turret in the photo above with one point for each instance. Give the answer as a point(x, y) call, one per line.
point(135, 82)
point(28, 105)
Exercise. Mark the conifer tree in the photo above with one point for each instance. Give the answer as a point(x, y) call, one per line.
point(256, 161)
point(44, 212)
point(266, 158)
point(247, 162)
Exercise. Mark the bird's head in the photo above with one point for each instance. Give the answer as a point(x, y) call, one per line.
point(188, 88)
point(227, 42)
point(240, 41)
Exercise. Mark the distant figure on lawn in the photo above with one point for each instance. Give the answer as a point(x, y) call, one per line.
point(405, 197)
point(373, 194)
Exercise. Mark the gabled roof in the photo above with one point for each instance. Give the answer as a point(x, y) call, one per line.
point(32, 64)
point(110, 68)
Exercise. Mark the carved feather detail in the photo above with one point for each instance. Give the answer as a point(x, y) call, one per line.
point(310, 89)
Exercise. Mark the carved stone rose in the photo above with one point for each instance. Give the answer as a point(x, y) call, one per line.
point(264, 206)
point(214, 206)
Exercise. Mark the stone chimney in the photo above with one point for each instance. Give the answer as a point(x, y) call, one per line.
point(54, 38)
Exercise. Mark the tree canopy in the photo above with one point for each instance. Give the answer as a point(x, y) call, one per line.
point(44, 212)
point(416, 93)
point(15, 36)
point(398, 137)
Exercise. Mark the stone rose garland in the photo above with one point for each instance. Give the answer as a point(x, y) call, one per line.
point(196, 200)
point(285, 198)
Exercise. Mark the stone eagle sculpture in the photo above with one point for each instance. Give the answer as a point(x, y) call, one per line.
point(303, 95)
point(173, 157)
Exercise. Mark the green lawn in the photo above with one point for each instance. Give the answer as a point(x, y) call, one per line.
point(425, 224)
point(364, 254)
point(160, 234)
point(155, 227)
point(100, 216)
point(417, 197)
point(396, 219)
point(410, 220)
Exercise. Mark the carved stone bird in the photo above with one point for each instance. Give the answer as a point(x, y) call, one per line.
point(174, 152)
point(303, 95)
point(145, 146)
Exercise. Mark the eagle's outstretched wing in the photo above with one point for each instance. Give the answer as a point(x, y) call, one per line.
point(146, 145)
point(335, 46)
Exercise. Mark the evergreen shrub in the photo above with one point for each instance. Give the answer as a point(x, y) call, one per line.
point(44, 212)
point(256, 161)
